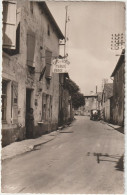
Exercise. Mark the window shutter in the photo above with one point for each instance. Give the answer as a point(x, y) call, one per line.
point(14, 102)
point(48, 72)
point(44, 106)
point(30, 48)
point(9, 24)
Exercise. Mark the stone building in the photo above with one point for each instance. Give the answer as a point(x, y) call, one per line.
point(90, 102)
point(30, 42)
point(118, 91)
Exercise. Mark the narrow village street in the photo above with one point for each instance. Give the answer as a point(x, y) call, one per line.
point(83, 158)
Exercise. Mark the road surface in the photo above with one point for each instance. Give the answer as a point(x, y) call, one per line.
point(84, 158)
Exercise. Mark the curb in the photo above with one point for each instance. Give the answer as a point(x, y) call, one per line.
point(44, 142)
point(31, 148)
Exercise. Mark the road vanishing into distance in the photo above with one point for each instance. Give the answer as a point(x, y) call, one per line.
point(84, 158)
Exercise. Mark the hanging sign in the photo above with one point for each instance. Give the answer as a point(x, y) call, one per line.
point(60, 65)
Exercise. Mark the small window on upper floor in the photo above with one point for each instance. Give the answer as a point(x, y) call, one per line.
point(11, 27)
point(9, 24)
point(48, 30)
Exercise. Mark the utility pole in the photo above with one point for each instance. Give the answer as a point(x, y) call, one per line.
point(65, 30)
point(67, 19)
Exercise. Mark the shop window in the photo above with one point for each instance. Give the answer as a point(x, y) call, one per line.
point(4, 100)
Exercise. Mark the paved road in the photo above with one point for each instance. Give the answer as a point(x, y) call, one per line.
point(84, 158)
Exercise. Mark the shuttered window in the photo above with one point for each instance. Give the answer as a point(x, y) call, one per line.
point(30, 48)
point(48, 72)
point(17, 48)
point(44, 106)
point(14, 102)
point(9, 24)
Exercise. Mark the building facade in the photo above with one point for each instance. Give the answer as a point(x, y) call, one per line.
point(90, 103)
point(66, 112)
point(106, 103)
point(118, 91)
point(30, 42)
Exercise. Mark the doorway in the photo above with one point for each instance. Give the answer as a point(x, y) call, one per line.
point(29, 119)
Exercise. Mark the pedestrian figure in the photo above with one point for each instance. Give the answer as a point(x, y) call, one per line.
point(29, 124)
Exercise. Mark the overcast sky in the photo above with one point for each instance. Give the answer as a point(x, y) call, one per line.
point(89, 32)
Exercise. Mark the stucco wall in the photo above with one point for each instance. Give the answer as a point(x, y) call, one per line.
point(15, 67)
point(118, 97)
point(107, 110)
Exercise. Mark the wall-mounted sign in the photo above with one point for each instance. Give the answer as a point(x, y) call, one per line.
point(60, 65)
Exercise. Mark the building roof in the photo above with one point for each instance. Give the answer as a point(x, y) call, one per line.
point(119, 63)
point(47, 12)
point(108, 90)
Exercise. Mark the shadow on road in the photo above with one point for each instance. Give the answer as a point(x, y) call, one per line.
point(120, 129)
point(120, 164)
point(66, 131)
point(110, 158)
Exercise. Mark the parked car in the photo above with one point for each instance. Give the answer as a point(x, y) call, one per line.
point(95, 114)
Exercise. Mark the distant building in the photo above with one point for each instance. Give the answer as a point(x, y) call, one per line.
point(99, 100)
point(90, 103)
point(118, 91)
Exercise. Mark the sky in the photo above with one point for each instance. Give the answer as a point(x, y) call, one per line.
point(89, 32)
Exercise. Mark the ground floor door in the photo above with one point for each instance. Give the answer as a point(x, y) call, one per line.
point(29, 115)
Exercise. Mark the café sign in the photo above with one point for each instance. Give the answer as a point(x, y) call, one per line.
point(60, 65)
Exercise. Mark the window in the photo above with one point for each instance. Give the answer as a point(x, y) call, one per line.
point(48, 72)
point(17, 48)
point(15, 24)
point(4, 100)
point(9, 24)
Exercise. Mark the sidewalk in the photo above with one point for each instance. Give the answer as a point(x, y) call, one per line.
point(116, 127)
point(24, 146)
